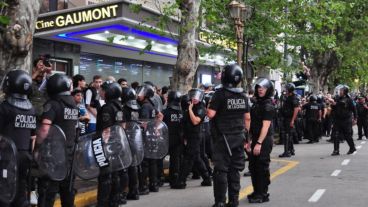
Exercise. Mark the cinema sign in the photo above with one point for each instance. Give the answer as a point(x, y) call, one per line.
point(95, 14)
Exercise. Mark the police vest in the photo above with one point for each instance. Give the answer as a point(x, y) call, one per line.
point(18, 125)
point(130, 114)
point(257, 114)
point(66, 118)
point(230, 118)
point(362, 111)
point(312, 112)
point(173, 120)
point(287, 109)
point(343, 108)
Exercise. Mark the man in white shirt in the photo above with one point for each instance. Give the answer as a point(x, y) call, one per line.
point(93, 102)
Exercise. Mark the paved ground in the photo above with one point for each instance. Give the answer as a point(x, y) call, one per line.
point(311, 178)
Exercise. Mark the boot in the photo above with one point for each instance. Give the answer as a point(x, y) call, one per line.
point(335, 153)
point(122, 198)
point(179, 185)
point(219, 204)
point(154, 187)
point(233, 201)
point(207, 181)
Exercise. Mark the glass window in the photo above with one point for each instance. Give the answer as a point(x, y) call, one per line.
point(131, 70)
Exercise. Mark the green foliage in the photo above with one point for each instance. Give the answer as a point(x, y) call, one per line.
point(4, 19)
point(136, 8)
point(110, 39)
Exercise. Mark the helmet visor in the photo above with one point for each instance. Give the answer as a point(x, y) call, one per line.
point(196, 95)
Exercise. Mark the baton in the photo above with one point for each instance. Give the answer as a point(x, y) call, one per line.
point(227, 145)
point(72, 164)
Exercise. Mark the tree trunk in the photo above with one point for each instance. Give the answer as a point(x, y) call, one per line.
point(324, 63)
point(17, 37)
point(188, 54)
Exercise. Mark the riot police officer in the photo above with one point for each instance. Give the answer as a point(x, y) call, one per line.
point(362, 110)
point(131, 113)
point(173, 119)
point(343, 108)
point(230, 120)
point(192, 119)
point(313, 114)
point(290, 109)
point(62, 111)
point(149, 167)
point(262, 113)
point(109, 191)
point(18, 122)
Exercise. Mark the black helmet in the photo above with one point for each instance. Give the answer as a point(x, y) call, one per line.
point(17, 82)
point(208, 97)
point(129, 97)
point(313, 98)
point(345, 89)
point(264, 83)
point(231, 76)
point(320, 98)
point(184, 99)
point(146, 90)
point(173, 99)
point(290, 87)
point(196, 93)
point(112, 90)
point(58, 84)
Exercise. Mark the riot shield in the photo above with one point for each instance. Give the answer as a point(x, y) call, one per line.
point(85, 165)
point(156, 140)
point(8, 170)
point(116, 148)
point(50, 152)
point(134, 134)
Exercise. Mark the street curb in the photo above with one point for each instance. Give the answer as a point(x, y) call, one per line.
point(89, 197)
point(82, 199)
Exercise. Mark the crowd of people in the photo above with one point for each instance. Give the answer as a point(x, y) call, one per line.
point(211, 131)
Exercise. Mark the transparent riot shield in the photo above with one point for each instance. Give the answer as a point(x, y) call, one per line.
point(50, 152)
point(116, 148)
point(85, 165)
point(8, 170)
point(134, 135)
point(156, 140)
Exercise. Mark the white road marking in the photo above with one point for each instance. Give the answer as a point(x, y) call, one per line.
point(317, 195)
point(336, 173)
point(354, 153)
point(363, 142)
point(359, 146)
point(345, 162)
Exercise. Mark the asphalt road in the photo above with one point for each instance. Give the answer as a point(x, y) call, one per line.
point(311, 178)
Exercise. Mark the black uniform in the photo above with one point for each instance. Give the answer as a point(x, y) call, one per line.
point(228, 124)
point(193, 136)
point(362, 121)
point(342, 128)
point(259, 166)
point(312, 115)
point(291, 102)
point(109, 188)
point(133, 193)
point(63, 112)
point(148, 166)
point(18, 124)
point(173, 120)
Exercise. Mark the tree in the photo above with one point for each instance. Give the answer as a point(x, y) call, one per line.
point(330, 35)
point(17, 25)
point(188, 53)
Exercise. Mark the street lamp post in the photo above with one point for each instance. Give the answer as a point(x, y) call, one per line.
point(239, 13)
